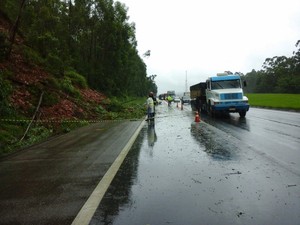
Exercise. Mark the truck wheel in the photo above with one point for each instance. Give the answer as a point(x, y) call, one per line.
point(242, 114)
point(202, 107)
point(210, 111)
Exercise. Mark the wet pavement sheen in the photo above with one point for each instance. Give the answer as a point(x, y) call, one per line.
point(48, 183)
point(182, 172)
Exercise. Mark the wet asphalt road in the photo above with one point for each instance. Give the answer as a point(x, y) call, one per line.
point(220, 171)
point(48, 183)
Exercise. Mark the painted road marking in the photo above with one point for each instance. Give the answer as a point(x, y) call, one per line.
point(88, 209)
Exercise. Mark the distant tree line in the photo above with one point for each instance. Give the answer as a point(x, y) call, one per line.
point(279, 74)
point(92, 37)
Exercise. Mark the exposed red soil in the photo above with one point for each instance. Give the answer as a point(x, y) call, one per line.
point(65, 109)
point(25, 75)
point(92, 96)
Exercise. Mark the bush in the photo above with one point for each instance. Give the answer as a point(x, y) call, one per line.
point(67, 127)
point(76, 79)
point(53, 82)
point(31, 56)
point(37, 134)
point(67, 86)
point(5, 91)
point(10, 137)
point(10, 134)
point(99, 109)
point(115, 106)
point(50, 99)
point(54, 65)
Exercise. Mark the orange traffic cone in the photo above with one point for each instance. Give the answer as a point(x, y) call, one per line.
point(197, 117)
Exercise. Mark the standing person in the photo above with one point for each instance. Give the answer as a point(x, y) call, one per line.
point(150, 106)
point(154, 102)
point(169, 99)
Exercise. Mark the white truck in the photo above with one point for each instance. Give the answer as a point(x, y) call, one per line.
point(220, 94)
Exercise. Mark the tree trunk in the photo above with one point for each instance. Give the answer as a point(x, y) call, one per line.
point(14, 29)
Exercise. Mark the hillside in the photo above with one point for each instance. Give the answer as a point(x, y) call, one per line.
point(34, 104)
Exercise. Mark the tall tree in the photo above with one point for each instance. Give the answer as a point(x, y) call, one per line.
point(14, 29)
point(280, 74)
point(92, 37)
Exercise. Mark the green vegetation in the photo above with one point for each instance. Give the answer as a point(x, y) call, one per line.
point(62, 48)
point(5, 91)
point(82, 55)
point(93, 38)
point(280, 74)
point(278, 101)
point(11, 132)
point(3, 46)
point(77, 79)
point(126, 108)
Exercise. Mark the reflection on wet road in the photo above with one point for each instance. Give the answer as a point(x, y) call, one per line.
point(214, 172)
point(275, 134)
point(218, 147)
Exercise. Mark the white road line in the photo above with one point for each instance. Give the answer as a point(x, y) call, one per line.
point(88, 209)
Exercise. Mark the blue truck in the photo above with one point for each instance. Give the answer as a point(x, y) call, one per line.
point(220, 94)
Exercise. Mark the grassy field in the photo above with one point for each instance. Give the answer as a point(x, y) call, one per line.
point(277, 101)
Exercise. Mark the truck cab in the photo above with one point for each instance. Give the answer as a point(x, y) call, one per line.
point(224, 94)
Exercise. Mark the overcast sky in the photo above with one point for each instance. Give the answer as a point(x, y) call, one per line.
point(196, 38)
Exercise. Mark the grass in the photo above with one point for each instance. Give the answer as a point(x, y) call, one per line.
point(127, 108)
point(276, 101)
point(133, 108)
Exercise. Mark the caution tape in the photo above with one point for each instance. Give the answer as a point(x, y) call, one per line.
point(64, 121)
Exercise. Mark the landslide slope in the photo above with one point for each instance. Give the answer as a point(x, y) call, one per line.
point(34, 104)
